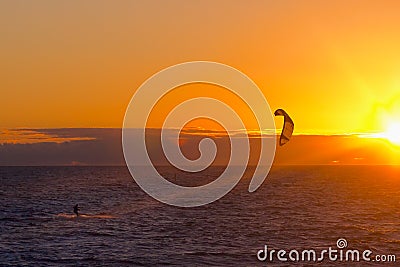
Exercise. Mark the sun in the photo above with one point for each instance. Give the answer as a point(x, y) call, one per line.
point(392, 133)
point(386, 121)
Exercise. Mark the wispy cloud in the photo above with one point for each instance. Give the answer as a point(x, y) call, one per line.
point(30, 136)
point(199, 131)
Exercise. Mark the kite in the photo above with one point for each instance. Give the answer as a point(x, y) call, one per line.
point(288, 127)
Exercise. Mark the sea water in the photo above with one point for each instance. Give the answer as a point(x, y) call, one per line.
point(297, 207)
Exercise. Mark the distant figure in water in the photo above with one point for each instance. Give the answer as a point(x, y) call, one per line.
point(76, 210)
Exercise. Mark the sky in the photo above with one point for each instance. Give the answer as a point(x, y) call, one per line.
point(68, 70)
point(333, 65)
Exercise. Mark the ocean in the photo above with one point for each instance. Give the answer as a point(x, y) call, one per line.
point(296, 208)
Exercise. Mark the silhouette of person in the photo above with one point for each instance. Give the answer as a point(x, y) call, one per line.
point(76, 210)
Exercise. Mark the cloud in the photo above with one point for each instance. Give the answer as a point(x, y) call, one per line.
point(103, 146)
point(61, 147)
point(29, 136)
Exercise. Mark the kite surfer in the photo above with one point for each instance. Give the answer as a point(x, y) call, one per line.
point(76, 210)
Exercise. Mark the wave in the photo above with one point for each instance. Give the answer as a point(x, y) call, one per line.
point(85, 216)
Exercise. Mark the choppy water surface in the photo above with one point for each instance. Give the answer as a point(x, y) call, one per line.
point(296, 208)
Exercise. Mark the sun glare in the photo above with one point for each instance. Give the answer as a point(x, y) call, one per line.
point(388, 116)
point(392, 133)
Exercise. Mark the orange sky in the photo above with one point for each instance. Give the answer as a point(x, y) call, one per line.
point(333, 65)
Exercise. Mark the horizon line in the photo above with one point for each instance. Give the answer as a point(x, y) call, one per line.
point(277, 165)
